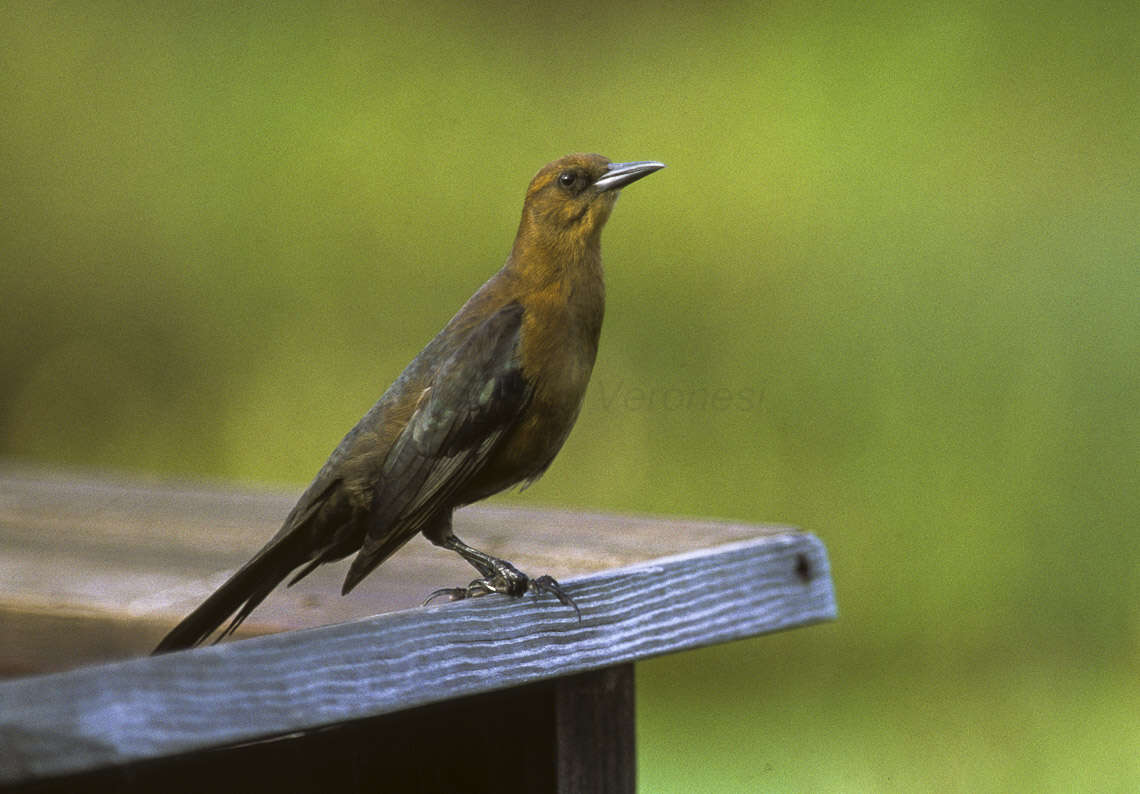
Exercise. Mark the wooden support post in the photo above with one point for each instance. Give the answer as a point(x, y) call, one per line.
point(595, 731)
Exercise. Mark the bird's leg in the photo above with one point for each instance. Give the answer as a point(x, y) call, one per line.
point(498, 576)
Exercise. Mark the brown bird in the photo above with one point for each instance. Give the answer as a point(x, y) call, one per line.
point(485, 406)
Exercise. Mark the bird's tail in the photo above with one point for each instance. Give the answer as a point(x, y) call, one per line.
point(240, 594)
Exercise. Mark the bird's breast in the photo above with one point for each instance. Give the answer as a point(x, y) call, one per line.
point(557, 348)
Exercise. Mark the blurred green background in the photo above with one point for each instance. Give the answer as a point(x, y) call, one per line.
point(904, 238)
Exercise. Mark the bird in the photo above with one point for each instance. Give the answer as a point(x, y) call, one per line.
point(485, 406)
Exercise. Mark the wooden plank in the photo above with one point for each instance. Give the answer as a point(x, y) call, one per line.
point(303, 681)
point(509, 740)
point(595, 736)
point(97, 568)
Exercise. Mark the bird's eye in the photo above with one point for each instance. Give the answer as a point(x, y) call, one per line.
point(567, 178)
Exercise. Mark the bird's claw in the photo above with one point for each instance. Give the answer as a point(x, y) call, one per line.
point(452, 593)
point(548, 584)
point(476, 588)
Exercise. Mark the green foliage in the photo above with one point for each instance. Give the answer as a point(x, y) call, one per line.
point(887, 290)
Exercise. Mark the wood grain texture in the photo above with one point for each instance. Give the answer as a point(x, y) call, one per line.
point(97, 568)
point(300, 681)
point(572, 734)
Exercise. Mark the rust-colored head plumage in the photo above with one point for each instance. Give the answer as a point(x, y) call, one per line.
point(570, 199)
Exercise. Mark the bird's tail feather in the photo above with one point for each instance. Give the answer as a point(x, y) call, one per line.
point(247, 588)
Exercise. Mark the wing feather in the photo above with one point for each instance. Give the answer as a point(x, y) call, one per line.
point(476, 396)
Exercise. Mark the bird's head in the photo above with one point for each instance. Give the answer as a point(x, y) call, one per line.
point(569, 200)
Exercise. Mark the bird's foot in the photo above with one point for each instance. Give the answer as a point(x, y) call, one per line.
point(498, 576)
point(508, 581)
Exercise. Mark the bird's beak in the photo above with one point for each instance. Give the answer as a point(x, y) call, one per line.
point(618, 175)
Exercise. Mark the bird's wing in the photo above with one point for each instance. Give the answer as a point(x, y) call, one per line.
point(475, 396)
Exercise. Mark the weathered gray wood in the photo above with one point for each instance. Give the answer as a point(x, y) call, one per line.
point(97, 569)
point(571, 734)
point(298, 681)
